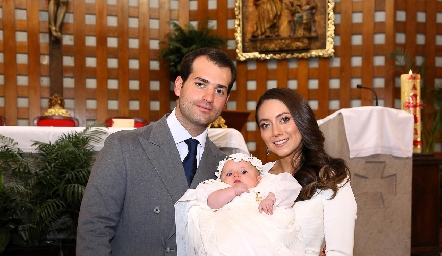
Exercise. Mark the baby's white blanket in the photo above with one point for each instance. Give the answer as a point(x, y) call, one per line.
point(238, 229)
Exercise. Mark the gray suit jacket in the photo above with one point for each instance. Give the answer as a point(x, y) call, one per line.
point(128, 206)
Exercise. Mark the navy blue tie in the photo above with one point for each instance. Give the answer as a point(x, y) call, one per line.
point(189, 162)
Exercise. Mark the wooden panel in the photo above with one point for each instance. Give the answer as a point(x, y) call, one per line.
point(411, 24)
point(164, 18)
point(241, 86)
point(101, 55)
point(303, 73)
point(144, 78)
point(202, 11)
point(323, 97)
point(281, 73)
point(55, 66)
point(261, 87)
point(429, 52)
point(79, 61)
point(345, 56)
point(221, 18)
point(87, 21)
point(33, 59)
point(123, 57)
point(241, 90)
point(9, 57)
point(425, 202)
point(367, 51)
point(390, 36)
point(183, 12)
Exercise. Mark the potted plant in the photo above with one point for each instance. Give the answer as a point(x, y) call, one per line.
point(432, 132)
point(8, 223)
point(43, 191)
point(181, 41)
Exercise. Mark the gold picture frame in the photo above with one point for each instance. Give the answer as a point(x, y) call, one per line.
point(282, 29)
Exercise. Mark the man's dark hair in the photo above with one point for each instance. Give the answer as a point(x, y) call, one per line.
point(216, 56)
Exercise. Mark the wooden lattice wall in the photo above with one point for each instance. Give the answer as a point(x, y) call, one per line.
point(111, 65)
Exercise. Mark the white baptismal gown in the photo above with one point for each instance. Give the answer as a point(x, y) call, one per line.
point(238, 228)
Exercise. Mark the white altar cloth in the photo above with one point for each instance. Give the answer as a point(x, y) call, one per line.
point(377, 130)
point(229, 140)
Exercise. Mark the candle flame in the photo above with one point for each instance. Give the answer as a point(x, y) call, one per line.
point(411, 72)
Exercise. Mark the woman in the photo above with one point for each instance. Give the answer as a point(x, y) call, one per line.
point(326, 207)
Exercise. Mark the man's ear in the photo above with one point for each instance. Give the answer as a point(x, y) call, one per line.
point(178, 85)
point(228, 96)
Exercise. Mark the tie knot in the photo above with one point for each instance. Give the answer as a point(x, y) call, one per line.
point(192, 145)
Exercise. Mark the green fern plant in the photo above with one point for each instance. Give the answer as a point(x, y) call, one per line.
point(181, 41)
point(46, 188)
point(433, 130)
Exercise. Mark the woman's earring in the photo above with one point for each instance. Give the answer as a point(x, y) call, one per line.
point(267, 151)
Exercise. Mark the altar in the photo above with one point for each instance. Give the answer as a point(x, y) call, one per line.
point(229, 140)
point(377, 144)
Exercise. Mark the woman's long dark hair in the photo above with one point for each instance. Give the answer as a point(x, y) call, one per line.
point(317, 169)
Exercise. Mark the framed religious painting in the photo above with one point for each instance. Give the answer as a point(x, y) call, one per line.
point(280, 29)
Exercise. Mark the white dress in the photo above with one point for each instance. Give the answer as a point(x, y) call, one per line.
point(325, 221)
point(238, 228)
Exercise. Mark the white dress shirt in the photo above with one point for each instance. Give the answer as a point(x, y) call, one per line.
point(180, 134)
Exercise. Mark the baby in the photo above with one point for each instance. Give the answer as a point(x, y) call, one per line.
point(242, 172)
point(243, 212)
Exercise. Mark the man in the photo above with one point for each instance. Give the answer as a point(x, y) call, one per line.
point(128, 206)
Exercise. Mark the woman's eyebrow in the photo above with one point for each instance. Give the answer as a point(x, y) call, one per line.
point(283, 113)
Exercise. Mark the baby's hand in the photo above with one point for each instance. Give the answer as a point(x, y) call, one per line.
point(266, 205)
point(240, 188)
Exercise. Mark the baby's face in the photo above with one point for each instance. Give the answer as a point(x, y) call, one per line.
point(234, 172)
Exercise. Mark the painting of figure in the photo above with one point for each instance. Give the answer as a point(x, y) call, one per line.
point(284, 28)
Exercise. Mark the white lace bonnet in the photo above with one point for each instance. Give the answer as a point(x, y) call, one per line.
point(238, 157)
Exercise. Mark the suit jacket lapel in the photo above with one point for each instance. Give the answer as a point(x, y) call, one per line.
point(164, 156)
